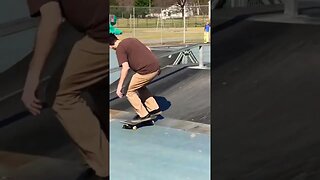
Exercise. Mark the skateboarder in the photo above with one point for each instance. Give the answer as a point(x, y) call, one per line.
point(86, 66)
point(134, 55)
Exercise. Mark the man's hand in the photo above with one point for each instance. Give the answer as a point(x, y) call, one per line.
point(29, 98)
point(119, 93)
point(123, 75)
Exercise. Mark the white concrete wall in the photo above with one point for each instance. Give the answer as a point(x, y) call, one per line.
point(15, 46)
point(12, 10)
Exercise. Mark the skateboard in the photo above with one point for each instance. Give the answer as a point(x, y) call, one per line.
point(128, 124)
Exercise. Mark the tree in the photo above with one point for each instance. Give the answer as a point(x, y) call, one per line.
point(125, 2)
point(181, 4)
point(113, 3)
point(141, 3)
point(163, 3)
point(198, 2)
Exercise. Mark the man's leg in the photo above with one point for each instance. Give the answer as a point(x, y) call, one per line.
point(148, 99)
point(137, 82)
point(86, 65)
point(207, 37)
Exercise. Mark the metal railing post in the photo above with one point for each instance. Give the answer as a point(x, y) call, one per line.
point(209, 10)
point(161, 26)
point(134, 21)
point(201, 56)
point(184, 24)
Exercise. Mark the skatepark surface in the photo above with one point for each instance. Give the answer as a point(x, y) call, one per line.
point(266, 101)
point(177, 147)
point(158, 153)
point(38, 148)
point(181, 92)
point(171, 149)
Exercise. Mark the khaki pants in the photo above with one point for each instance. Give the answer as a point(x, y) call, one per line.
point(87, 65)
point(139, 96)
point(206, 37)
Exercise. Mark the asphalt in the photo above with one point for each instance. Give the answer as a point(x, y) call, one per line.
point(158, 152)
point(266, 102)
point(181, 92)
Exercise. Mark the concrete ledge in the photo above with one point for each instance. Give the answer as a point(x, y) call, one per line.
point(281, 18)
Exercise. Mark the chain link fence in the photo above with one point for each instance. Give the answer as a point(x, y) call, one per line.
point(161, 25)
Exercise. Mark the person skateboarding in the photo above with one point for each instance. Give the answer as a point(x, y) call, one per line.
point(133, 54)
point(87, 66)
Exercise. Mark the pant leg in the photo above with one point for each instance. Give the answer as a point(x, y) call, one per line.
point(86, 66)
point(139, 81)
point(148, 99)
point(206, 37)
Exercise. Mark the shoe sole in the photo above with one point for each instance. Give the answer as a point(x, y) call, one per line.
point(158, 113)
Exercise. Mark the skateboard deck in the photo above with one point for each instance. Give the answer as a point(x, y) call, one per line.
point(128, 124)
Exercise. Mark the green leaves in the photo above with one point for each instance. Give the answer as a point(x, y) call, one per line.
point(142, 3)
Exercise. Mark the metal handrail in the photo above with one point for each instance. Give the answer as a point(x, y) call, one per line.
point(113, 70)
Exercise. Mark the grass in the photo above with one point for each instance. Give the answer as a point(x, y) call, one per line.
point(196, 21)
point(153, 36)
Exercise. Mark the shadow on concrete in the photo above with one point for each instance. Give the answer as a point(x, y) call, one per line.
point(163, 103)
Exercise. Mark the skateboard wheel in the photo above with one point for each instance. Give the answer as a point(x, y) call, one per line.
point(134, 127)
point(125, 127)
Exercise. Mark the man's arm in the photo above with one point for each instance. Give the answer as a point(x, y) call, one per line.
point(51, 19)
point(47, 33)
point(123, 75)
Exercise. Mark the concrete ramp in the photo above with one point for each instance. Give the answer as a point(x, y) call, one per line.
point(181, 92)
point(163, 151)
point(266, 101)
